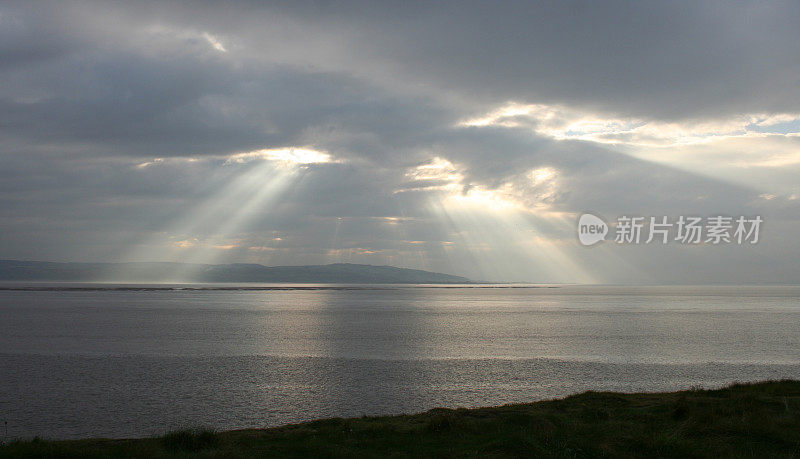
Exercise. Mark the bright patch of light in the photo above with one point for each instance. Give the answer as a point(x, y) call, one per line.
point(163, 161)
point(149, 163)
point(167, 38)
point(533, 190)
point(503, 116)
point(770, 161)
point(224, 246)
point(186, 243)
point(541, 175)
point(214, 42)
point(500, 199)
point(568, 123)
point(286, 155)
point(436, 169)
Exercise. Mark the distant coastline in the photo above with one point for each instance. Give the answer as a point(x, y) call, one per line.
point(168, 272)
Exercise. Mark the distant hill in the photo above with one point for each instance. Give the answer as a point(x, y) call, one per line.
point(15, 270)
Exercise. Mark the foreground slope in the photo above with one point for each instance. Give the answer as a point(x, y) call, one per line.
point(750, 420)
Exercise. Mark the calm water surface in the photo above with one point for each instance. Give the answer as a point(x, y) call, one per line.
point(105, 362)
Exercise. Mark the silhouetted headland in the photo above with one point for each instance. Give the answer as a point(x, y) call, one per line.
point(336, 273)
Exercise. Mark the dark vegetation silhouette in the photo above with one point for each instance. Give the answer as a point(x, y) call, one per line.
point(744, 420)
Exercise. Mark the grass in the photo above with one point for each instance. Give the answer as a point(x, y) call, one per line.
point(743, 420)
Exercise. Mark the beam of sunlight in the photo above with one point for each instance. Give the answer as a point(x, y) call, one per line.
point(262, 196)
point(199, 222)
point(507, 242)
point(203, 233)
point(506, 233)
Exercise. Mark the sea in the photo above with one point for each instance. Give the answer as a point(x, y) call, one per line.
point(100, 360)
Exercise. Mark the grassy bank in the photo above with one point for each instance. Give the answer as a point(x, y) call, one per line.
point(745, 420)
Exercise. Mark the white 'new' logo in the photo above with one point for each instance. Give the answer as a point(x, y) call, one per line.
point(591, 229)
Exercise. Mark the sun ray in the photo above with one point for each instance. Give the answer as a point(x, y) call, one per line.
point(208, 229)
point(502, 229)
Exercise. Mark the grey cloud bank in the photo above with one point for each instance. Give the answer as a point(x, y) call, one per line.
point(120, 121)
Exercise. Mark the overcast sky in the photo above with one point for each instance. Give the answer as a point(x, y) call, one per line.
point(452, 136)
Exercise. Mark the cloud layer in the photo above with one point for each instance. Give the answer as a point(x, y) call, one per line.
point(461, 138)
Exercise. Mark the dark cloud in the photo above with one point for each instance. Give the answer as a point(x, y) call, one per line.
point(94, 93)
point(653, 59)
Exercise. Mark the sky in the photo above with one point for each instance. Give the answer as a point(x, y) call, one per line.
point(460, 137)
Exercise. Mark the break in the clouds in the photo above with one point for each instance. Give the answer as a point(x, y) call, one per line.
point(464, 138)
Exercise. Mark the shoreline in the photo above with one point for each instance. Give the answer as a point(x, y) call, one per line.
point(742, 419)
